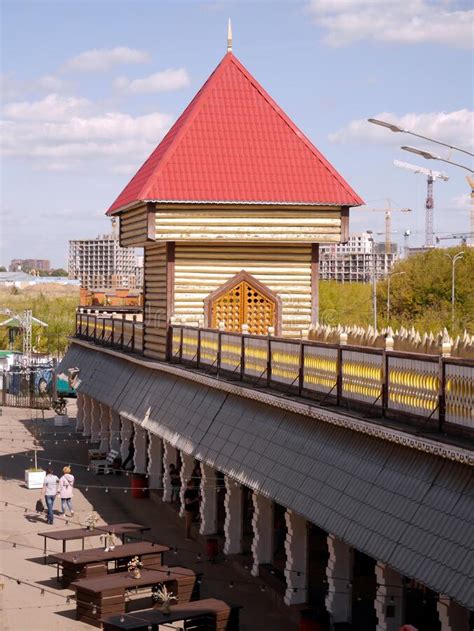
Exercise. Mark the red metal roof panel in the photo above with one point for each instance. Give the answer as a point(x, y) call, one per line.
point(233, 143)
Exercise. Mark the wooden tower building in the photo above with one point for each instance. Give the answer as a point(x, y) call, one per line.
point(230, 209)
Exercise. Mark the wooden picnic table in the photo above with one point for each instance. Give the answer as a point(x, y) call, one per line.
point(94, 562)
point(209, 614)
point(96, 597)
point(71, 534)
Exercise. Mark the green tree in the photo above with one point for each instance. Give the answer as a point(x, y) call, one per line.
point(421, 295)
point(58, 272)
point(3, 268)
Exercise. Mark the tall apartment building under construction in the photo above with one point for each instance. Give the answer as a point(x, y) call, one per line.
point(355, 260)
point(101, 263)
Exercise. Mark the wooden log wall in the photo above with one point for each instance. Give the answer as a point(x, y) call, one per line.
point(157, 291)
point(134, 227)
point(246, 224)
point(285, 269)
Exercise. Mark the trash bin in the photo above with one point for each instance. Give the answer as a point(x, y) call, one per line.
point(139, 486)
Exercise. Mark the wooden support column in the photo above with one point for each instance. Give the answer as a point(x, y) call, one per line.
point(140, 456)
point(208, 505)
point(262, 523)
point(80, 412)
point(389, 598)
point(114, 430)
point(187, 466)
point(95, 421)
point(233, 517)
point(126, 431)
point(155, 461)
point(296, 569)
point(104, 416)
point(169, 457)
point(87, 415)
point(339, 574)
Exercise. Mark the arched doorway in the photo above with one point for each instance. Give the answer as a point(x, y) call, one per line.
point(243, 300)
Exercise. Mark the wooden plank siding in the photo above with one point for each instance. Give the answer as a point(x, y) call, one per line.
point(158, 301)
point(255, 225)
point(135, 227)
point(285, 269)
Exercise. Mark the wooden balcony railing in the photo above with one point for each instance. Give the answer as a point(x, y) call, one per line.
point(437, 390)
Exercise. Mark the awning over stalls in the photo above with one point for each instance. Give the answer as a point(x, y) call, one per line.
point(411, 510)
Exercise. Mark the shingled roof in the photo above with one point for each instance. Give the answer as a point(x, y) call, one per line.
point(234, 144)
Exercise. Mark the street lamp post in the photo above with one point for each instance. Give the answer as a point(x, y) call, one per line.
point(397, 128)
point(454, 258)
point(389, 280)
point(428, 155)
point(374, 279)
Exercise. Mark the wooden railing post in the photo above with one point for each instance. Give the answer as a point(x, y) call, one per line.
point(95, 328)
point(339, 375)
point(132, 341)
point(181, 345)
point(245, 331)
point(112, 336)
point(87, 324)
point(442, 394)
point(198, 352)
point(123, 332)
point(103, 331)
point(301, 369)
point(219, 352)
point(270, 332)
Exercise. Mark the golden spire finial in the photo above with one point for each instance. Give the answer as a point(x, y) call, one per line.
point(229, 37)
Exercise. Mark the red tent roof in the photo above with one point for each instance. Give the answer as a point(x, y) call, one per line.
point(234, 144)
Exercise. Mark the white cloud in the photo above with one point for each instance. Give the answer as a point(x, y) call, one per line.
point(123, 169)
point(101, 60)
point(52, 108)
point(57, 133)
point(409, 22)
point(451, 127)
point(165, 81)
point(13, 88)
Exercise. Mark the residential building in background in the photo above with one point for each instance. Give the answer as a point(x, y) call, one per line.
point(353, 261)
point(29, 265)
point(101, 263)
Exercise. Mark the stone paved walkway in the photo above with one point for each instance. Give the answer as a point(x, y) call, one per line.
point(23, 607)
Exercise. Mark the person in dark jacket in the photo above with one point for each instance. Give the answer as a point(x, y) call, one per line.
point(191, 506)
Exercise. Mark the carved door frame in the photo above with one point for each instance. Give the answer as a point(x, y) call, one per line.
point(235, 280)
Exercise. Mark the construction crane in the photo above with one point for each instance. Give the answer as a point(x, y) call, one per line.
point(463, 236)
point(431, 176)
point(25, 321)
point(470, 181)
point(388, 210)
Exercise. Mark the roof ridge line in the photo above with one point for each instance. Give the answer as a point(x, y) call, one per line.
point(287, 120)
point(195, 106)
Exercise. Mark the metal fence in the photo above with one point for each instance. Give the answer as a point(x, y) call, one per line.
point(120, 332)
point(27, 387)
point(439, 390)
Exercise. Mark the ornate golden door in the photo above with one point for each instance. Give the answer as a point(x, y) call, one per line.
point(244, 301)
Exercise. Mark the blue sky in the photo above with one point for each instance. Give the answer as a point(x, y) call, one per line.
point(90, 88)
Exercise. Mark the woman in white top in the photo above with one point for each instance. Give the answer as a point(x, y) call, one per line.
point(66, 483)
point(50, 490)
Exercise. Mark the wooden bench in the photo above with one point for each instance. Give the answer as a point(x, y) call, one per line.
point(104, 466)
point(95, 562)
point(209, 614)
point(97, 597)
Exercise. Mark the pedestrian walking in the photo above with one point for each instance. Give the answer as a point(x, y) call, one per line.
point(191, 505)
point(175, 481)
point(50, 490)
point(66, 484)
point(131, 454)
